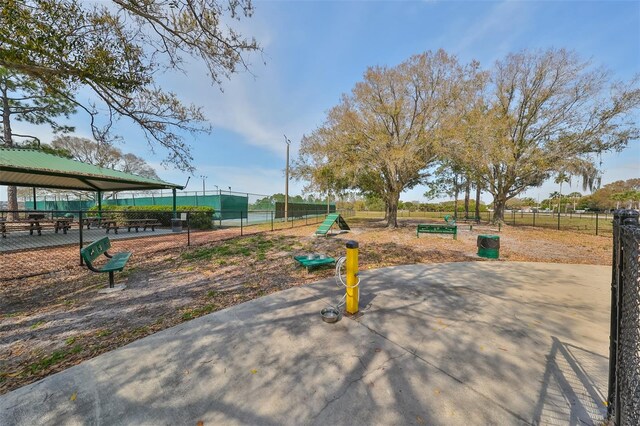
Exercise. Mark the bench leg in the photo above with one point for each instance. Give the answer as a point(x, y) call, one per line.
point(110, 279)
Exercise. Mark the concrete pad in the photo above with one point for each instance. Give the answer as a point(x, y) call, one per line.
point(443, 344)
point(113, 289)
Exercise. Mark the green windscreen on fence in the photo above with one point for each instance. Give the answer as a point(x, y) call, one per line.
point(63, 205)
point(225, 206)
point(302, 209)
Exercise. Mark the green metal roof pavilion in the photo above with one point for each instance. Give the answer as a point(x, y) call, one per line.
point(37, 169)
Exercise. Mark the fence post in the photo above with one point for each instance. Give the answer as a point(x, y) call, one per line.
point(240, 222)
point(81, 242)
point(558, 218)
point(534, 218)
point(513, 217)
point(620, 217)
point(188, 229)
point(596, 223)
point(272, 221)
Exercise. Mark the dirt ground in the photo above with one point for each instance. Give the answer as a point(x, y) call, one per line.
point(51, 322)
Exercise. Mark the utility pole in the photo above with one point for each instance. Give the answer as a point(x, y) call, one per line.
point(203, 188)
point(286, 184)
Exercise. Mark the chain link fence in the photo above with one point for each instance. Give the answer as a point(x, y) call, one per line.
point(42, 243)
point(596, 223)
point(624, 352)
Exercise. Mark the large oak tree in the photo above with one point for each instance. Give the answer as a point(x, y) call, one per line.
point(382, 137)
point(549, 111)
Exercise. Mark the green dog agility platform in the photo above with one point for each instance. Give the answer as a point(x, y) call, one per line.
point(313, 263)
point(325, 226)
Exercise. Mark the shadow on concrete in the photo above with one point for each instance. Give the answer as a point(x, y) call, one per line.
point(572, 391)
point(437, 344)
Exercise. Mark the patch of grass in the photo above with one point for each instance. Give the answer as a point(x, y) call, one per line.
point(76, 349)
point(258, 245)
point(197, 312)
point(47, 361)
point(70, 340)
point(212, 293)
point(104, 333)
point(12, 315)
point(141, 330)
point(37, 325)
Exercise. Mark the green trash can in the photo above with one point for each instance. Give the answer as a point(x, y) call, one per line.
point(489, 246)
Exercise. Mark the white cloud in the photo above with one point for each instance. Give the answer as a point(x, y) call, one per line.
point(505, 21)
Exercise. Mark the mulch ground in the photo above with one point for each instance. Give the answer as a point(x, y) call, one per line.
point(52, 321)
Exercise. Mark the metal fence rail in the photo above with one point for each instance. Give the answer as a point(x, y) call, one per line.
point(624, 352)
point(593, 222)
point(39, 242)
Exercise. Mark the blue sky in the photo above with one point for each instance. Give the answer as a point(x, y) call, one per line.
point(315, 51)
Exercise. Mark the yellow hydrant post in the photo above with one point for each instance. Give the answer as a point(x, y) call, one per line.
point(353, 292)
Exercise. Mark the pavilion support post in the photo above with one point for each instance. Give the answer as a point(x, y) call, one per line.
point(175, 214)
point(35, 206)
point(99, 203)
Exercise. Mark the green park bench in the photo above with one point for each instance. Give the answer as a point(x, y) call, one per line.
point(116, 261)
point(434, 228)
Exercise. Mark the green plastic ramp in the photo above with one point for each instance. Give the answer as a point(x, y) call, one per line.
point(325, 226)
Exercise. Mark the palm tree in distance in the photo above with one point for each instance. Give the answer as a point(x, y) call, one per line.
point(561, 178)
point(554, 194)
point(574, 196)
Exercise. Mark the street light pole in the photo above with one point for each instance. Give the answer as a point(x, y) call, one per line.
point(286, 184)
point(203, 188)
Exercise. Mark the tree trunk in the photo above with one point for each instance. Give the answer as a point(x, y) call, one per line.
point(467, 194)
point(559, 198)
point(392, 219)
point(478, 191)
point(456, 192)
point(12, 191)
point(499, 203)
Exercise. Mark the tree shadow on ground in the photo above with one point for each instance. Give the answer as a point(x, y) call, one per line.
point(435, 346)
point(573, 386)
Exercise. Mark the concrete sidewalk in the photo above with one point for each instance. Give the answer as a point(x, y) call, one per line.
point(442, 344)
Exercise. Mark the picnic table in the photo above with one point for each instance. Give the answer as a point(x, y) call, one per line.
point(8, 225)
point(91, 221)
point(34, 223)
point(115, 224)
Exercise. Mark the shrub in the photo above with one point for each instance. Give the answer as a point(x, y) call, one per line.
point(199, 217)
